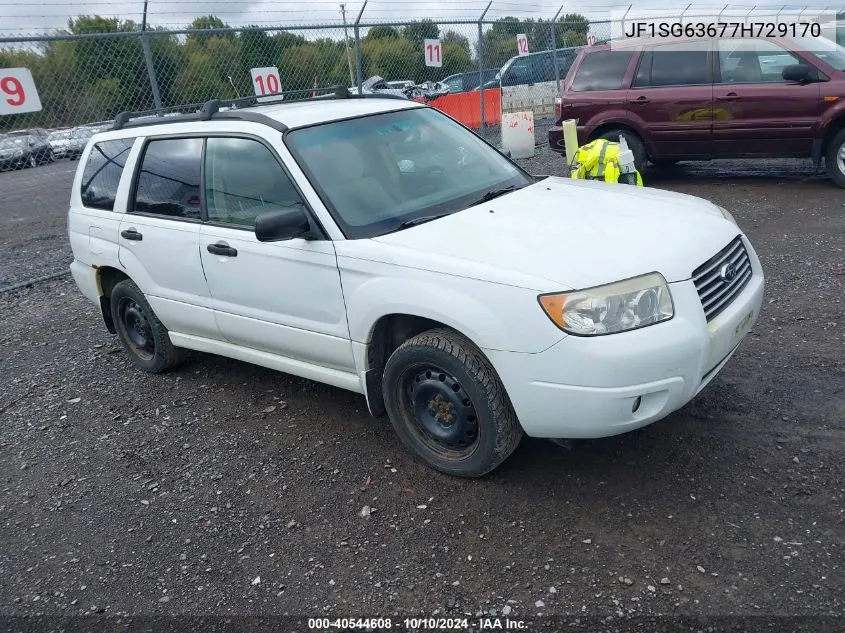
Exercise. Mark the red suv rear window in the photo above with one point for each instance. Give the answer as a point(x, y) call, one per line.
point(602, 70)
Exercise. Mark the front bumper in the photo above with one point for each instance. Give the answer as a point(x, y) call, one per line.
point(590, 387)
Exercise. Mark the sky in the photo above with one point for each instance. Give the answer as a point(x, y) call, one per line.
point(23, 17)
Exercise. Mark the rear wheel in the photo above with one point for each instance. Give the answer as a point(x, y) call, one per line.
point(143, 336)
point(633, 141)
point(448, 406)
point(835, 158)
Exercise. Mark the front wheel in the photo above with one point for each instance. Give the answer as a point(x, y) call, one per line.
point(143, 336)
point(448, 406)
point(835, 158)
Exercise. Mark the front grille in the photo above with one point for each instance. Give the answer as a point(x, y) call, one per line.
point(715, 291)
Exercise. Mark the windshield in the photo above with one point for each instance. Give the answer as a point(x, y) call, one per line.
point(60, 136)
point(15, 141)
point(376, 173)
point(825, 50)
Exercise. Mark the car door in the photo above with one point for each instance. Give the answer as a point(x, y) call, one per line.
point(671, 98)
point(758, 113)
point(159, 236)
point(282, 297)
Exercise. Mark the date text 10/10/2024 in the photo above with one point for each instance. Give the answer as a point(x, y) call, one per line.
point(417, 624)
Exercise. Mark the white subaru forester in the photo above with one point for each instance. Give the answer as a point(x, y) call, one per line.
point(376, 245)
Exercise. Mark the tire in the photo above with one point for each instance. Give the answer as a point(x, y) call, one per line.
point(142, 335)
point(448, 406)
point(32, 162)
point(834, 158)
point(634, 142)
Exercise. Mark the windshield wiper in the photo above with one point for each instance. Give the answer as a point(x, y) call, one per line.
point(494, 193)
point(421, 220)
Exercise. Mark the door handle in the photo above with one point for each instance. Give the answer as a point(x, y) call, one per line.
point(639, 100)
point(731, 96)
point(131, 234)
point(222, 248)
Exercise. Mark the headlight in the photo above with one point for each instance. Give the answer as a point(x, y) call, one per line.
point(727, 215)
point(617, 307)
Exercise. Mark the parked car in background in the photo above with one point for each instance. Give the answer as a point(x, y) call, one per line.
point(68, 143)
point(529, 83)
point(699, 100)
point(378, 85)
point(463, 82)
point(401, 84)
point(37, 144)
point(15, 152)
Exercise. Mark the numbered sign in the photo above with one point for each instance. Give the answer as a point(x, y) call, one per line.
point(266, 81)
point(433, 53)
point(591, 40)
point(522, 44)
point(17, 91)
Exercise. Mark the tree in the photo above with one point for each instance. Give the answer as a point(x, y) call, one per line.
point(207, 22)
point(420, 30)
point(380, 32)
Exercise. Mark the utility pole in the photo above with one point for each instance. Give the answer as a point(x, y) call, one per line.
point(148, 60)
point(346, 44)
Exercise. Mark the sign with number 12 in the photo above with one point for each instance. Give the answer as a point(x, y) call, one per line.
point(522, 44)
point(433, 53)
point(17, 91)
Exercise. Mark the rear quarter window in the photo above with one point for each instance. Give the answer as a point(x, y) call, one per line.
point(102, 173)
point(601, 70)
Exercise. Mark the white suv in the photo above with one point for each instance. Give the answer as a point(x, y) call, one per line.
point(376, 245)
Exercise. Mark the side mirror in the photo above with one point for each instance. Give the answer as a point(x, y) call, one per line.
point(800, 73)
point(284, 224)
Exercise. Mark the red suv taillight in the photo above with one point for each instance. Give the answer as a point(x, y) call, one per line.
point(558, 107)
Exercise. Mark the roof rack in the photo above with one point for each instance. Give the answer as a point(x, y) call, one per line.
point(233, 109)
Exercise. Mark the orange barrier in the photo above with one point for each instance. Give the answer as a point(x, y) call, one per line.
point(466, 107)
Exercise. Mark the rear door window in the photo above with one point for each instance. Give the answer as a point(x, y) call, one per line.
point(102, 173)
point(602, 70)
point(685, 64)
point(169, 179)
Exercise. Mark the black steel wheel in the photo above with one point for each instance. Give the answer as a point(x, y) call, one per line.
point(441, 409)
point(143, 336)
point(135, 327)
point(447, 404)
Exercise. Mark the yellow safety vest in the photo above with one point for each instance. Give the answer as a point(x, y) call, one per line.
point(599, 160)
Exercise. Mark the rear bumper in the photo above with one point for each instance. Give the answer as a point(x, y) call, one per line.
point(85, 277)
point(590, 387)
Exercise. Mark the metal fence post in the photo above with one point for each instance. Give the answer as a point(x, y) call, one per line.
point(151, 71)
point(552, 30)
point(481, 67)
point(358, 61)
point(148, 59)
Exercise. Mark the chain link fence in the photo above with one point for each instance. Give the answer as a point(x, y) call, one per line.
point(101, 66)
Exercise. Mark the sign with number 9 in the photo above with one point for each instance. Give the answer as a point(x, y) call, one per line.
point(17, 91)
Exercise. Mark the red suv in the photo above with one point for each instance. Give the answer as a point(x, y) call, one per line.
point(697, 100)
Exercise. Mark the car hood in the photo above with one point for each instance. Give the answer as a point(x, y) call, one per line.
point(564, 234)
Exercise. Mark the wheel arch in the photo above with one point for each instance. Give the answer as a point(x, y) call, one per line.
point(107, 278)
point(835, 126)
point(387, 333)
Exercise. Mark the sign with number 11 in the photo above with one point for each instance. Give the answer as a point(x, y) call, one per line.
point(433, 53)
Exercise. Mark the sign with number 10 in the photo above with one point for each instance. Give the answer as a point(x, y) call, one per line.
point(522, 44)
point(266, 81)
point(433, 53)
point(17, 91)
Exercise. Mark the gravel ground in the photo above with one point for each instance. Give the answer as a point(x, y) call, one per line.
point(227, 489)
